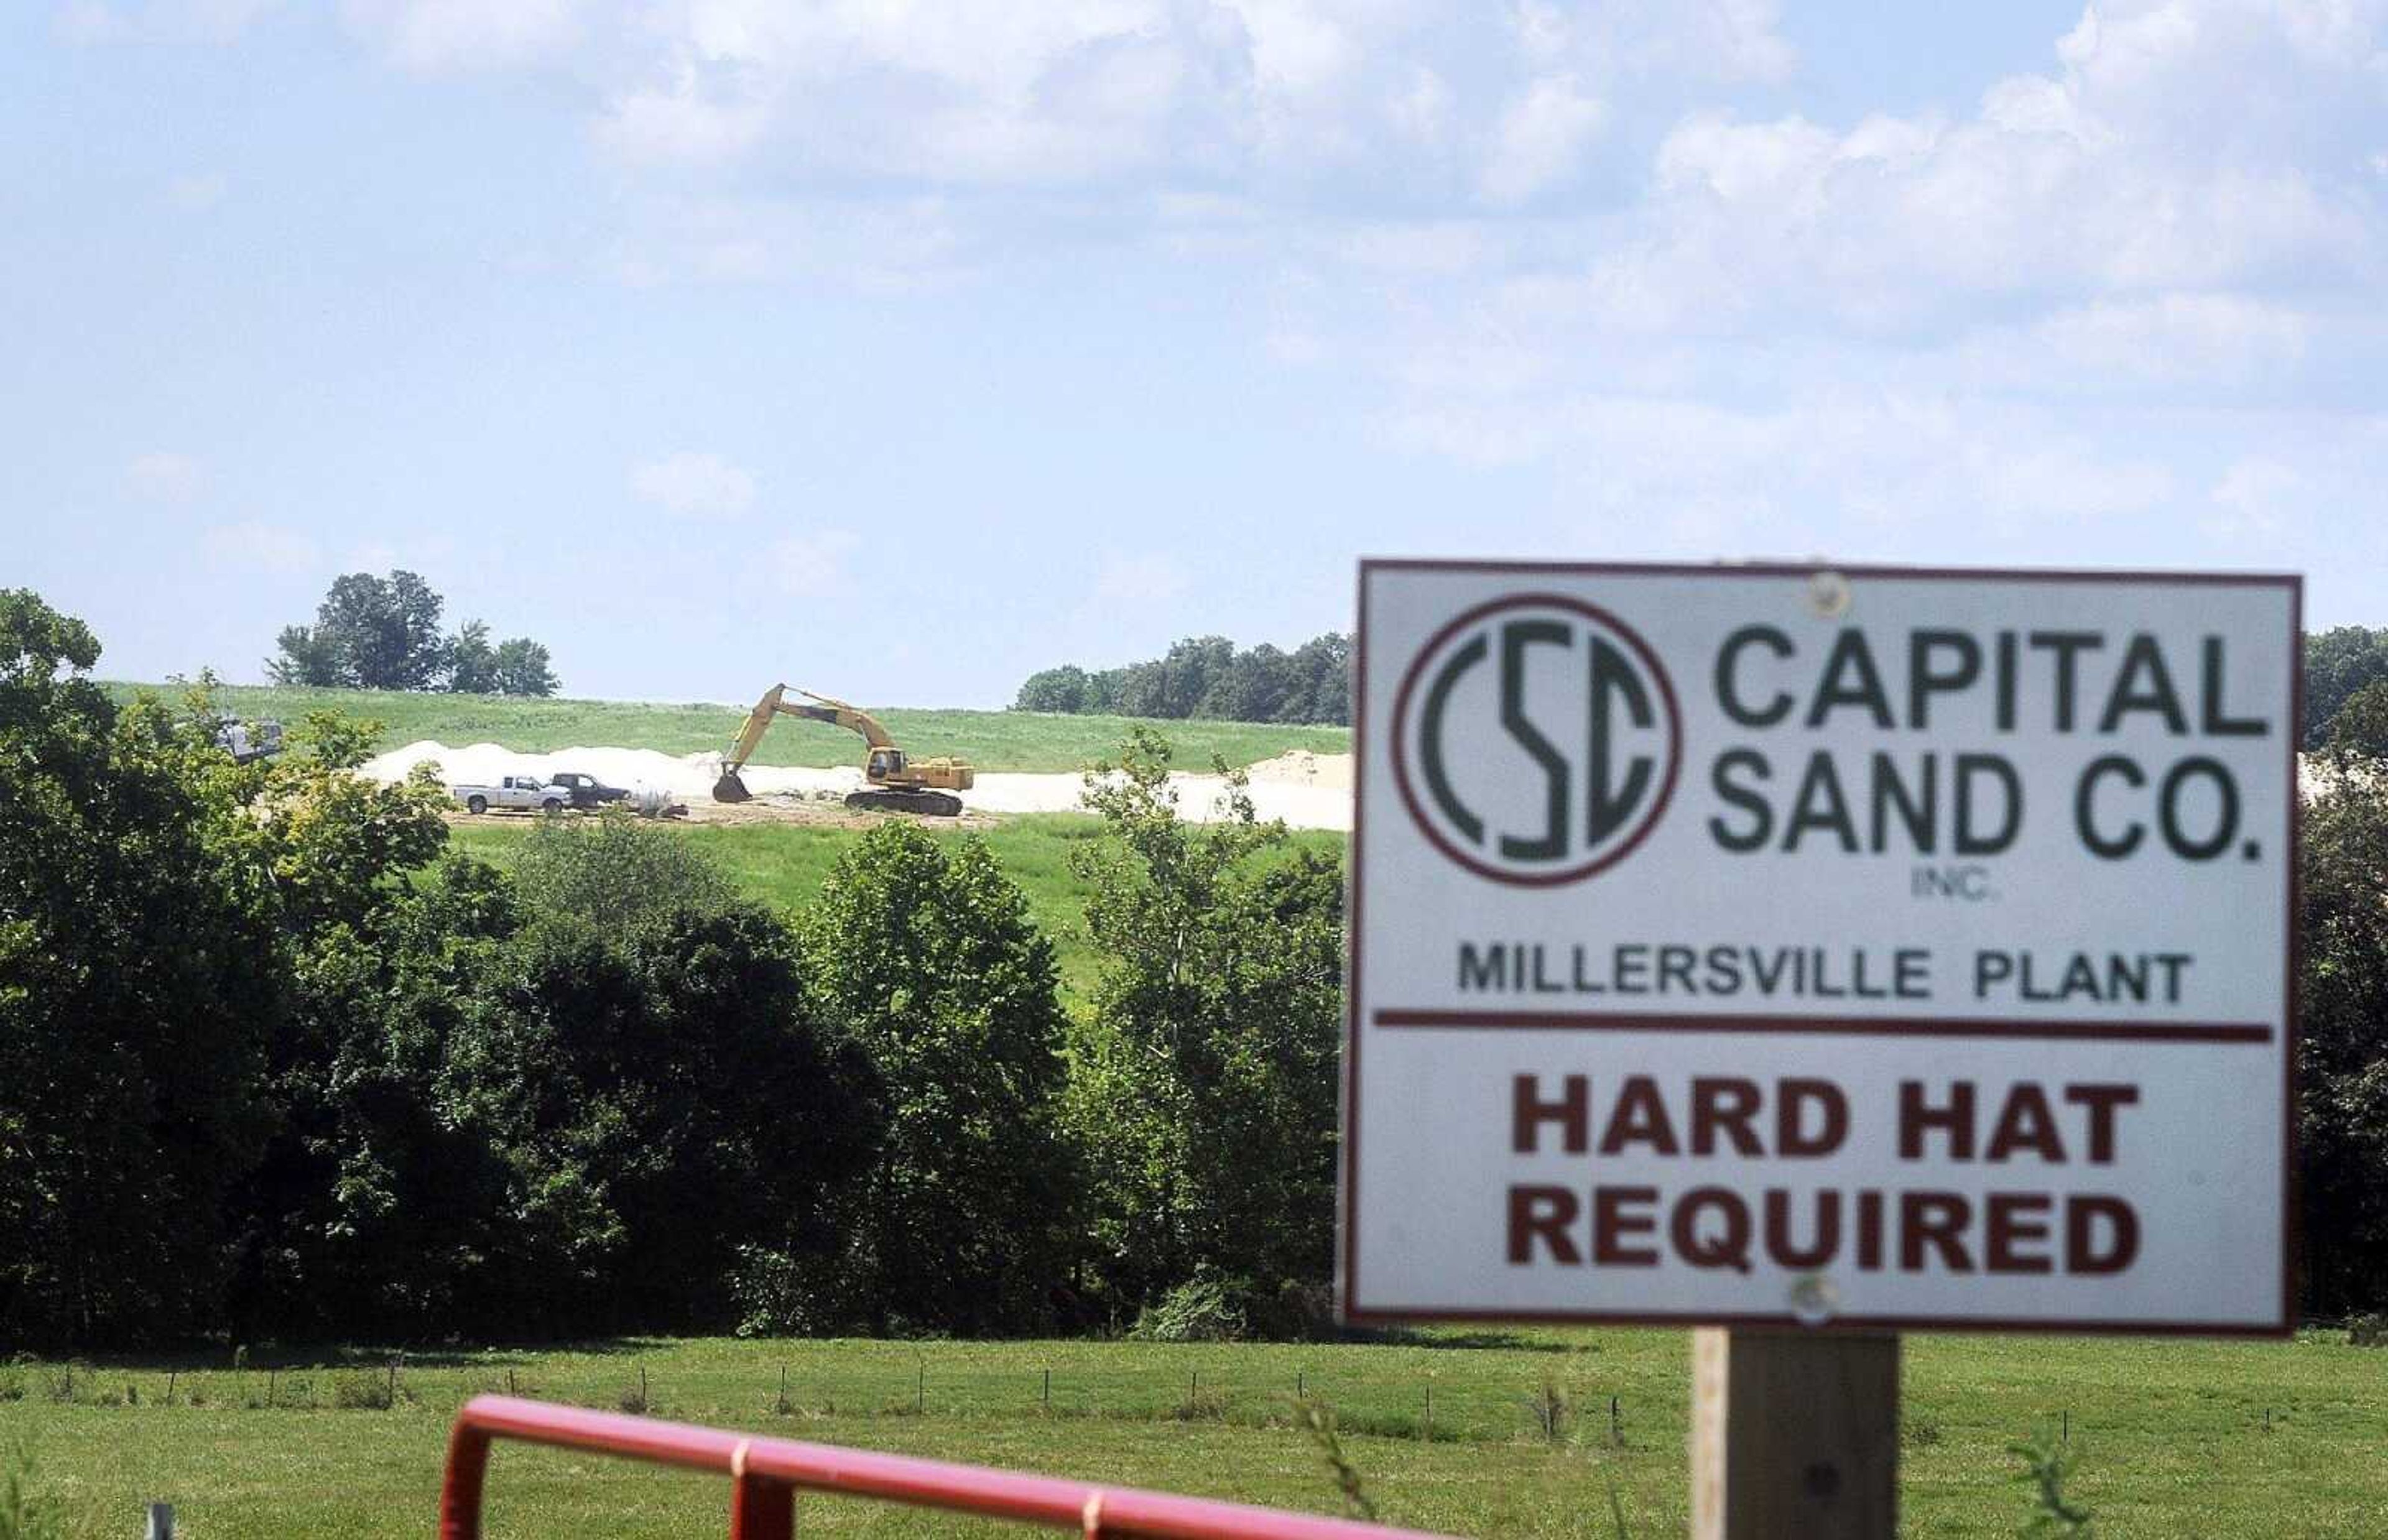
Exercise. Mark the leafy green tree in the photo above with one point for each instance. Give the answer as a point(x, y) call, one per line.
point(1320, 689)
point(2342, 1058)
point(523, 668)
point(140, 981)
point(374, 1212)
point(1054, 689)
point(1252, 688)
point(383, 633)
point(1141, 690)
point(927, 956)
point(307, 657)
point(354, 1210)
point(472, 662)
point(2358, 730)
point(667, 1105)
point(1213, 1072)
point(1190, 672)
point(2339, 662)
point(373, 633)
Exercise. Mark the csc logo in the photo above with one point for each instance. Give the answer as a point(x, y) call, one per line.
point(1536, 739)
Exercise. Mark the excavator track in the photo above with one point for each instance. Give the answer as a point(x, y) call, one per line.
point(881, 799)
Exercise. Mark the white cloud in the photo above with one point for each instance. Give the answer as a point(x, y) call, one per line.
point(271, 548)
point(692, 484)
point(2122, 173)
point(165, 476)
point(196, 194)
point(813, 565)
point(678, 121)
point(1541, 139)
point(1140, 578)
point(2175, 336)
point(2254, 500)
point(445, 35)
point(1391, 95)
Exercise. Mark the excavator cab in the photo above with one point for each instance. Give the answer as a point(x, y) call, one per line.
point(886, 764)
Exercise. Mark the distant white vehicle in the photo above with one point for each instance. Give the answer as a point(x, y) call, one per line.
point(248, 741)
point(521, 792)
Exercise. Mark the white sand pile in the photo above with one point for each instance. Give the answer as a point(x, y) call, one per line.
point(1300, 767)
point(1307, 790)
point(688, 777)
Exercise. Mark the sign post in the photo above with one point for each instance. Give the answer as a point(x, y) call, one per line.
point(1815, 955)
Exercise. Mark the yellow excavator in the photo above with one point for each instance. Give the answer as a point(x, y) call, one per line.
point(898, 783)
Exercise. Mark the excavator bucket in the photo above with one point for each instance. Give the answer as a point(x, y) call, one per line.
point(730, 789)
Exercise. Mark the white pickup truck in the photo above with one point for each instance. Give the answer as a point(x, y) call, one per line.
point(515, 791)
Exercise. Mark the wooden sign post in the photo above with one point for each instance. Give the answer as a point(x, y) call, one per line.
point(1794, 1435)
point(1812, 956)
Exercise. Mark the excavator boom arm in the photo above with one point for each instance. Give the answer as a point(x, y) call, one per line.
point(837, 713)
point(852, 718)
point(758, 721)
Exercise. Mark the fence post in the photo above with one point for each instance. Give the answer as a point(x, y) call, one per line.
point(760, 1509)
point(1793, 1434)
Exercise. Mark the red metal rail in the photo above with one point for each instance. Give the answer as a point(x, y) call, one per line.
point(765, 1474)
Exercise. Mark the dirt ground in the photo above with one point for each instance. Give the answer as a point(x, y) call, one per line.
point(820, 814)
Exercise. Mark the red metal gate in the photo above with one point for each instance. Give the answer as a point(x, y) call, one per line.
point(766, 1473)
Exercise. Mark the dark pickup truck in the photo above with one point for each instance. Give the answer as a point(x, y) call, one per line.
point(586, 790)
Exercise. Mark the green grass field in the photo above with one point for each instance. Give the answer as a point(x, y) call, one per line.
point(783, 865)
point(2171, 1434)
point(992, 740)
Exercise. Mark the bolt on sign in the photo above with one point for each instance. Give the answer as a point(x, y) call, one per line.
point(1889, 947)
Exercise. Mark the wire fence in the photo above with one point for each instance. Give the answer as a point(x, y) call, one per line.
point(1569, 1404)
point(1555, 1408)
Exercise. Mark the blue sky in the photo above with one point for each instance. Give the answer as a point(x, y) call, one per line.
point(901, 349)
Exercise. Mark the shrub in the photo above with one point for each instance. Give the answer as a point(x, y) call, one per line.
point(616, 873)
point(1206, 1308)
point(362, 1390)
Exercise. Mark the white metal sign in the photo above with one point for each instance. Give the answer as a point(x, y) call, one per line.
point(1891, 948)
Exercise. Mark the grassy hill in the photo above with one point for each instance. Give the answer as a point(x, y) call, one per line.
point(993, 740)
point(782, 865)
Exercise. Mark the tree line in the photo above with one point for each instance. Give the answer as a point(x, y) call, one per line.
point(1208, 677)
point(383, 633)
point(277, 1061)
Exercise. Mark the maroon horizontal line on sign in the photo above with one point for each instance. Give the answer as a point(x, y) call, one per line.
point(1858, 1027)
